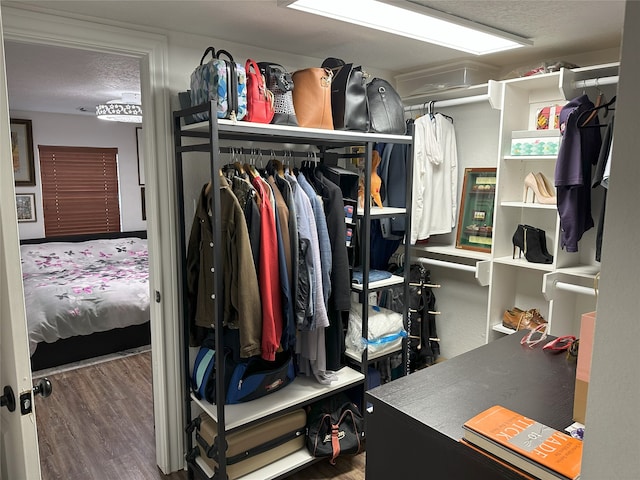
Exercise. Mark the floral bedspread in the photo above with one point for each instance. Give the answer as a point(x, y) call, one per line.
point(85, 287)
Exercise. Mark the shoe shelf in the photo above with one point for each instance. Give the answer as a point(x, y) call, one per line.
point(517, 282)
point(523, 263)
point(502, 329)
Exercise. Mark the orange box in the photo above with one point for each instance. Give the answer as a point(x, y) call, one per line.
point(583, 368)
point(548, 117)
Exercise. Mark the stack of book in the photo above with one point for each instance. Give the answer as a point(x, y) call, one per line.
point(529, 446)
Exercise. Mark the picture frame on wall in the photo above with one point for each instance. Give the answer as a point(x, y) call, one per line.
point(475, 220)
point(26, 207)
point(24, 172)
point(144, 203)
point(140, 152)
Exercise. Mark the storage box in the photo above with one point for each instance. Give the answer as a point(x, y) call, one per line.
point(535, 143)
point(583, 370)
point(548, 117)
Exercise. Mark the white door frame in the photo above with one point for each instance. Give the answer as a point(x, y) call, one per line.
point(19, 457)
point(152, 50)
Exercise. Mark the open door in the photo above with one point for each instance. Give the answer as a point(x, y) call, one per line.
point(19, 456)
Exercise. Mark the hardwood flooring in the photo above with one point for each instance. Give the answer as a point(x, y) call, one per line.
point(98, 425)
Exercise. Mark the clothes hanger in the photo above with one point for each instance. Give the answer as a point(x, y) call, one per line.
point(598, 103)
point(587, 113)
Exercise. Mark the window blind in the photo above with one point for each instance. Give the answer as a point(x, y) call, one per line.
point(79, 190)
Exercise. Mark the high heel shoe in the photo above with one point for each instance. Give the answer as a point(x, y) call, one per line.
point(534, 252)
point(532, 242)
point(544, 182)
point(543, 242)
point(518, 241)
point(538, 188)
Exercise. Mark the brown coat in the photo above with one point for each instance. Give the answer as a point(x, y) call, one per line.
point(239, 282)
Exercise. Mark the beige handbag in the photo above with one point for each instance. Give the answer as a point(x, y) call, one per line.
point(312, 97)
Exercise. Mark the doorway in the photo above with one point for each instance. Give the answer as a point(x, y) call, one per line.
point(151, 51)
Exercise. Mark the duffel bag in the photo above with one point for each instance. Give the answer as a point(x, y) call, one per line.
point(244, 380)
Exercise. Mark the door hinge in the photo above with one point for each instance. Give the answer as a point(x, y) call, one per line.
point(157, 296)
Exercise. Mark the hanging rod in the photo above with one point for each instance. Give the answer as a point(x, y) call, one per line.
point(569, 287)
point(596, 82)
point(442, 263)
point(307, 155)
point(449, 103)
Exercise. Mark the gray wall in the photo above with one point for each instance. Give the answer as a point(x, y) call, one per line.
point(611, 438)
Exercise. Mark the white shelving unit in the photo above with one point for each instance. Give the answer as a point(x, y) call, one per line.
point(564, 289)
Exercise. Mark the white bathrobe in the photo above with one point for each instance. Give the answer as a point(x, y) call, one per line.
point(435, 177)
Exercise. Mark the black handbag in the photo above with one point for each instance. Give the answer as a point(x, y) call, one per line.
point(348, 95)
point(386, 111)
point(334, 427)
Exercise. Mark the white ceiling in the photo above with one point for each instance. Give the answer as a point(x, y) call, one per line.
point(79, 79)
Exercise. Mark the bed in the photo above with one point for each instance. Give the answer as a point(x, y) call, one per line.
point(85, 298)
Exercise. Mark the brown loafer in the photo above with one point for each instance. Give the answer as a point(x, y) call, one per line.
point(518, 319)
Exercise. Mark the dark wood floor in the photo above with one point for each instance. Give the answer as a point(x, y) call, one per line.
point(98, 425)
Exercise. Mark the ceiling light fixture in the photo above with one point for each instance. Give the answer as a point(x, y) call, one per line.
point(420, 23)
point(127, 109)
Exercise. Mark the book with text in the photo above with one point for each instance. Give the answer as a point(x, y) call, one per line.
point(529, 445)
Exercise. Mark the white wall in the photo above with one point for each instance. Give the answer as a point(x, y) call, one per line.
point(86, 131)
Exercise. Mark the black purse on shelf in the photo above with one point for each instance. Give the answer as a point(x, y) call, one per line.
point(386, 110)
point(348, 95)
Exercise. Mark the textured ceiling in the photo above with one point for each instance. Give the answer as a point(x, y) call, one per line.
point(558, 28)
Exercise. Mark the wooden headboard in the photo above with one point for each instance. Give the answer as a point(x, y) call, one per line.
point(85, 237)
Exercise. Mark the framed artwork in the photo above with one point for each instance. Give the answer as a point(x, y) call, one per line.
point(144, 204)
point(26, 207)
point(140, 151)
point(475, 220)
point(22, 152)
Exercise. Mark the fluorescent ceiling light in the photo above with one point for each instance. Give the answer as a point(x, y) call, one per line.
point(437, 28)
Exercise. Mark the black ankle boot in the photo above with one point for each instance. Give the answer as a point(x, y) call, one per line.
point(543, 242)
point(518, 241)
point(534, 240)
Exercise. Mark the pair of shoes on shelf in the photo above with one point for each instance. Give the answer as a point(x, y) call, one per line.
point(518, 319)
point(532, 242)
point(543, 191)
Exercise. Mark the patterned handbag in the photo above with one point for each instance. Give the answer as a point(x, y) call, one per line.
point(223, 81)
point(280, 82)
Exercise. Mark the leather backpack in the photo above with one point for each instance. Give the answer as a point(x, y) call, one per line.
point(386, 110)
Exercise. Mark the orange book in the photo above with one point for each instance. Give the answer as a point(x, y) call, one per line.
point(531, 446)
point(511, 467)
